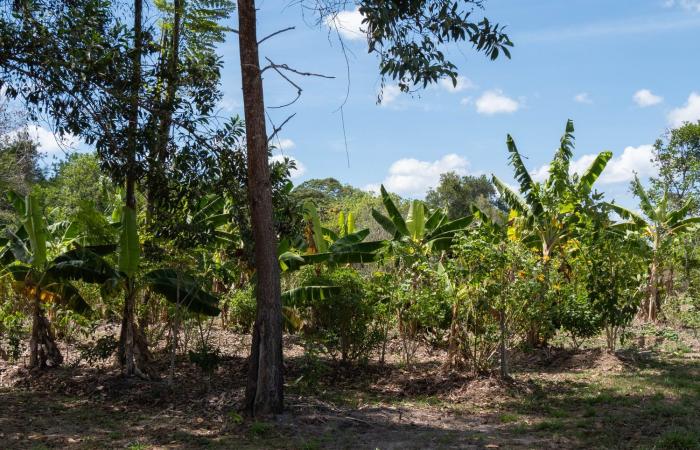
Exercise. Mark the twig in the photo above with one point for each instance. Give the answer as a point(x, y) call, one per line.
point(273, 65)
point(277, 129)
point(275, 34)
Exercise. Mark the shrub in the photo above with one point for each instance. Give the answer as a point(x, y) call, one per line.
point(239, 305)
point(342, 325)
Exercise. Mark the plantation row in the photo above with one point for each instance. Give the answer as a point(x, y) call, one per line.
point(512, 271)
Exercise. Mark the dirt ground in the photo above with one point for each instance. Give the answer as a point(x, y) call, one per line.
point(646, 397)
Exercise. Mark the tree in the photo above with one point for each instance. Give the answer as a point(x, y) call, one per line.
point(545, 217)
point(458, 194)
point(91, 69)
point(677, 156)
point(407, 37)
point(661, 224)
point(47, 280)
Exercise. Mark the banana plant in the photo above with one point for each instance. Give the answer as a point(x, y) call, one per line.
point(174, 285)
point(420, 226)
point(43, 280)
point(660, 224)
point(326, 247)
point(544, 214)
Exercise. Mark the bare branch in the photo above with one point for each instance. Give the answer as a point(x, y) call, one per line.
point(277, 129)
point(273, 65)
point(275, 34)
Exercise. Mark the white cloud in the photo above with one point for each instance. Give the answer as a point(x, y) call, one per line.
point(374, 188)
point(463, 83)
point(47, 141)
point(644, 98)
point(620, 169)
point(688, 113)
point(495, 102)
point(294, 173)
point(413, 177)
point(690, 5)
point(583, 97)
point(466, 101)
point(285, 144)
point(390, 93)
point(348, 24)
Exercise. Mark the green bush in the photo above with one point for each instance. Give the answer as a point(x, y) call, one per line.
point(343, 325)
point(239, 306)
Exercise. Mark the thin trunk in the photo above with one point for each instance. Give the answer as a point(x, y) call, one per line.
point(264, 392)
point(504, 347)
point(452, 346)
point(134, 355)
point(43, 351)
point(653, 299)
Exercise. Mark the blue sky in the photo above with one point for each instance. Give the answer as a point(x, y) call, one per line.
point(623, 70)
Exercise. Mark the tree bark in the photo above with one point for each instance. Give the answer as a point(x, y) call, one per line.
point(264, 391)
point(43, 351)
point(133, 354)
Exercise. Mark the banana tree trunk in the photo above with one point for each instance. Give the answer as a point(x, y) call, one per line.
point(134, 355)
point(264, 391)
point(43, 351)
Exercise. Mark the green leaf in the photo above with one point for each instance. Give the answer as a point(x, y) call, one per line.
point(36, 230)
point(394, 214)
point(627, 214)
point(16, 249)
point(312, 215)
point(435, 220)
point(308, 294)
point(181, 288)
point(527, 186)
point(82, 264)
point(415, 221)
point(384, 222)
point(683, 225)
point(591, 174)
point(512, 199)
point(129, 247)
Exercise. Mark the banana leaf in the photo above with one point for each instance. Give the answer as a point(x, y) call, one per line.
point(82, 264)
point(308, 293)
point(179, 287)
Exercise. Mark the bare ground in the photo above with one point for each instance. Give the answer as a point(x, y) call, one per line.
point(644, 398)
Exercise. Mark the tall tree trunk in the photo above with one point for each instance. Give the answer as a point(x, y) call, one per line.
point(264, 392)
point(134, 355)
point(43, 351)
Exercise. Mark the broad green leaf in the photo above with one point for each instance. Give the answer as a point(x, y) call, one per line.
point(312, 215)
point(415, 221)
point(512, 199)
point(36, 230)
point(129, 247)
point(384, 222)
point(593, 171)
point(394, 213)
point(82, 264)
point(181, 288)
